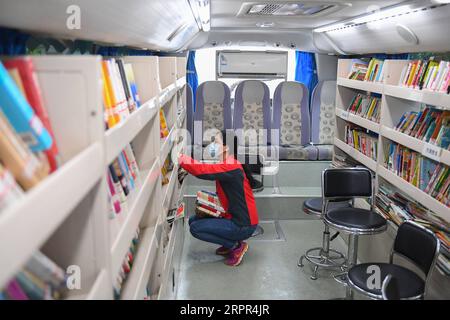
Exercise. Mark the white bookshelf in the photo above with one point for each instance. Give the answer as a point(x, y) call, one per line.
point(67, 215)
point(394, 102)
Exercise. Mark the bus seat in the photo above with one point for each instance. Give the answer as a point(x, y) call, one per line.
point(252, 112)
point(291, 119)
point(323, 121)
point(213, 111)
point(190, 112)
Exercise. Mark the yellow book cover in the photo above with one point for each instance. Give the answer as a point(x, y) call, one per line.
point(109, 112)
point(163, 126)
point(110, 90)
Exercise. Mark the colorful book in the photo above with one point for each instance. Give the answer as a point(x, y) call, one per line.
point(21, 115)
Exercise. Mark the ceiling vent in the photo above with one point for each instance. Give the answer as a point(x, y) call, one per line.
point(286, 9)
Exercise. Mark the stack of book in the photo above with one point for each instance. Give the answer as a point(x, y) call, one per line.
point(366, 106)
point(120, 96)
point(343, 161)
point(430, 125)
point(398, 208)
point(28, 151)
point(126, 266)
point(208, 204)
point(40, 279)
point(122, 176)
point(358, 69)
point(426, 74)
point(375, 70)
point(362, 140)
point(425, 174)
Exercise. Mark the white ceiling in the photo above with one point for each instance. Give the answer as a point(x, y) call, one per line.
point(224, 14)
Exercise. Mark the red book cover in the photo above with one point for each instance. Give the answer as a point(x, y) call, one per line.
point(33, 94)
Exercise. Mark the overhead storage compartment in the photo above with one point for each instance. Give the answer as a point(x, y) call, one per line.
point(412, 32)
point(156, 24)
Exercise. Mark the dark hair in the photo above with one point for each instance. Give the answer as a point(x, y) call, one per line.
point(230, 140)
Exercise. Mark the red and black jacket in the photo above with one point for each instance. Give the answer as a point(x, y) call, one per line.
point(232, 186)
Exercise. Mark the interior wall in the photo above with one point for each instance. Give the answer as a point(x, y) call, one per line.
point(326, 66)
point(205, 60)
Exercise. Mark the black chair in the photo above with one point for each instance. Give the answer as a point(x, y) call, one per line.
point(350, 183)
point(419, 246)
point(389, 288)
point(323, 257)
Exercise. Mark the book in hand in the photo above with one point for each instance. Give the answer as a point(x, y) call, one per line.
point(21, 115)
point(208, 204)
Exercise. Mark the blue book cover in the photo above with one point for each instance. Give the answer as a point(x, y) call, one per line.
point(445, 140)
point(124, 167)
point(20, 114)
point(427, 170)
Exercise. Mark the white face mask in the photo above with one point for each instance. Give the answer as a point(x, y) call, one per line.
point(214, 151)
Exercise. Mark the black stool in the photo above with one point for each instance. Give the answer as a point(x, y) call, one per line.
point(353, 183)
point(323, 257)
point(389, 288)
point(420, 246)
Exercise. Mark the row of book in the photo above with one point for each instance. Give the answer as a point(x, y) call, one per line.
point(208, 204)
point(427, 175)
point(39, 279)
point(365, 70)
point(366, 106)
point(362, 140)
point(28, 150)
point(126, 267)
point(120, 93)
point(426, 74)
point(123, 174)
point(396, 207)
point(430, 125)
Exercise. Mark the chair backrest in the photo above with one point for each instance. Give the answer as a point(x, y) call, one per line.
point(291, 113)
point(212, 112)
point(323, 109)
point(418, 244)
point(190, 111)
point(389, 288)
point(347, 183)
point(252, 111)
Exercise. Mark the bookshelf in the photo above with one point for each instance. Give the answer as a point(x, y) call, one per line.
point(66, 215)
point(395, 101)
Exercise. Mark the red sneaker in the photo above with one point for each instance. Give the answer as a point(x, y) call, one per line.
point(222, 251)
point(236, 255)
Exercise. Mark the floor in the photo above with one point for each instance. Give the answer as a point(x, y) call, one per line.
point(269, 269)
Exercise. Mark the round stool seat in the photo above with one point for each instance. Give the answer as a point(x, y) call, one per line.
point(314, 205)
point(356, 220)
point(410, 285)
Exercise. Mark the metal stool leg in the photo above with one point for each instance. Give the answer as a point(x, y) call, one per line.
point(352, 259)
point(323, 256)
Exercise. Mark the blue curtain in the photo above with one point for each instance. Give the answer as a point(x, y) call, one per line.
point(191, 75)
point(305, 70)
